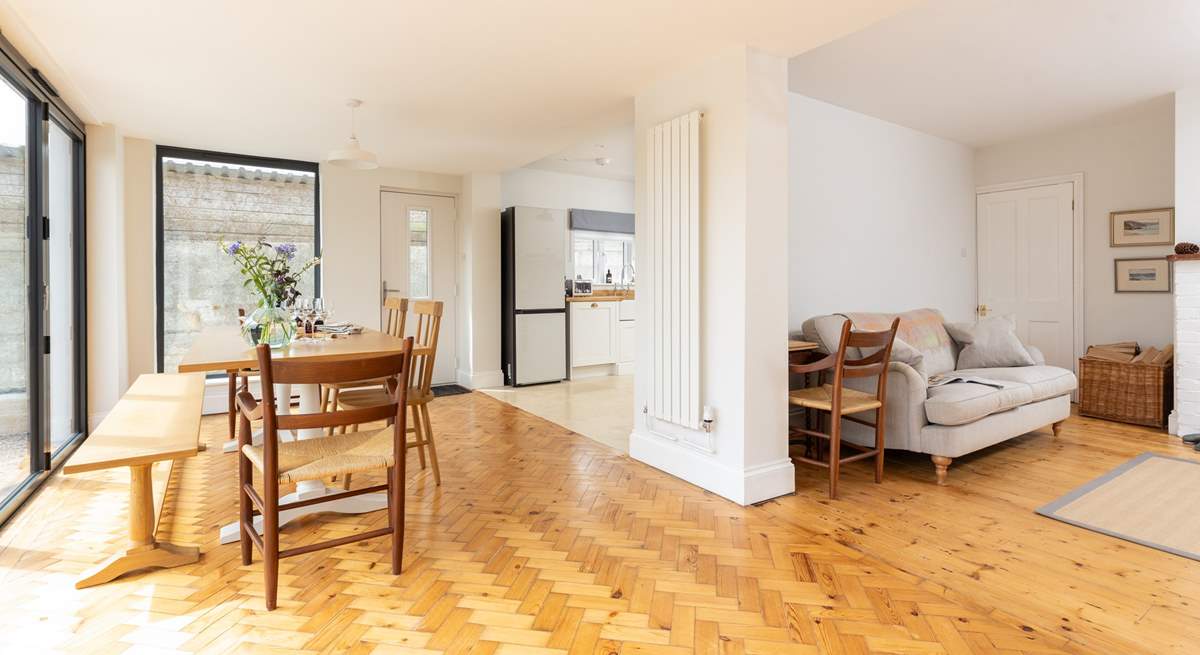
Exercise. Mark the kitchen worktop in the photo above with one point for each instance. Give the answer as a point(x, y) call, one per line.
point(603, 296)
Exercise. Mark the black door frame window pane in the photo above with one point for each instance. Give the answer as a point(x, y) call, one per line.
point(173, 152)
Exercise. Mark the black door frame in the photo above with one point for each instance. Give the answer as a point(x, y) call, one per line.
point(44, 108)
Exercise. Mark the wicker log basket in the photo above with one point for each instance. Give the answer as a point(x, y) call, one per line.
point(1121, 382)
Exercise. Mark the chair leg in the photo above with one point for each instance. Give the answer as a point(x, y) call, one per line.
point(835, 454)
point(271, 541)
point(419, 427)
point(396, 513)
point(245, 515)
point(233, 413)
point(346, 482)
point(879, 444)
point(437, 473)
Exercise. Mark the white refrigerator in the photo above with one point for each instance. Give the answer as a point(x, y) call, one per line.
point(533, 263)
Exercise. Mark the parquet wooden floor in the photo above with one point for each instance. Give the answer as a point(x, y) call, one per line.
point(539, 541)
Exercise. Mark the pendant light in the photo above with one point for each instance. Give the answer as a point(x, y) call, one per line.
point(353, 156)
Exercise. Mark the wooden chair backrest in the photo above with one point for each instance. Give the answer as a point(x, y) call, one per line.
point(397, 365)
point(428, 314)
point(397, 316)
point(873, 364)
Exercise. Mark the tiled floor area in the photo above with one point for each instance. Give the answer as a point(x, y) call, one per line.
point(599, 408)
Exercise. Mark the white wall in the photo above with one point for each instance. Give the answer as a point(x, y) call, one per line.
point(1127, 159)
point(479, 281)
point(743, 233)
point(350, 252)
point(882, 216)
point(531, 187)
point(139, 256)
point(107, 338)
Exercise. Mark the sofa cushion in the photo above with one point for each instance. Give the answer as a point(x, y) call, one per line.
point(921, 329)
point(1043, 381)
point(990, 342)
point(959, 403)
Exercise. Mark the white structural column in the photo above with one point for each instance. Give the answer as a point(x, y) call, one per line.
point(107, 334)
point(743, 278)
point(479, 282)
point(1185, 419)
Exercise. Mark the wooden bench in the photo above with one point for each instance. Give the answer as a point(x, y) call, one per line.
point(157, 420)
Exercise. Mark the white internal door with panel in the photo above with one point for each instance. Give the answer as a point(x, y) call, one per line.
point(1025, 242)
point(416, 260)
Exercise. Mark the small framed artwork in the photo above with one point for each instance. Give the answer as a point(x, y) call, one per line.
point(1151, 275)
point(1142, 227)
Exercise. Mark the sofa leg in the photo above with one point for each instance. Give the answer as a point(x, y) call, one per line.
point(942, 465)
point(1057, 426)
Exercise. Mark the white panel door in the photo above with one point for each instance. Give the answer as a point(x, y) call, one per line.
point(1025, 265)
point(416, 261)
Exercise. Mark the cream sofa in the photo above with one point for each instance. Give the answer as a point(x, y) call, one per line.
point(954, 419)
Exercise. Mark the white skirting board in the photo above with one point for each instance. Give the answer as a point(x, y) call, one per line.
point(745, 487)
point(480, 379)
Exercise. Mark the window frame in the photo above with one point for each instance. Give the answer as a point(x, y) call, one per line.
point(428, 209)
point(597, 238)
point(45, 106)
point(169, 152)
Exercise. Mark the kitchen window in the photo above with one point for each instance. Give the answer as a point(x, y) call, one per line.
point(595, 254)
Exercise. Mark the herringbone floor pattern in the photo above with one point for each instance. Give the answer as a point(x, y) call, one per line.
point(539, 541)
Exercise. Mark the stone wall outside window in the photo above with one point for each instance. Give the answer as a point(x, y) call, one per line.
point(204, 203)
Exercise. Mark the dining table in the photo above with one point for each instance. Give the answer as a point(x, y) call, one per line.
point(221, 349)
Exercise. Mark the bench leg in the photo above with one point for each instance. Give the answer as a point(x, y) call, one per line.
point(143, 551)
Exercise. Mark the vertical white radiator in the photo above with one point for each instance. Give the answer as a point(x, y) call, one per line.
point(673, 199)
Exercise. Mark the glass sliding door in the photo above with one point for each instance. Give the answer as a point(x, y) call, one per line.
point(15, 436)
point(61, 383)
point(43, 399)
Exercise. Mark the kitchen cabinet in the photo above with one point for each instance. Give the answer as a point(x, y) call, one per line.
point(594, 333)
point(626, 332)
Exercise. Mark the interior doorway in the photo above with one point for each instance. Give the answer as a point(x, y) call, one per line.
point(1029, 239)
point(416, 261)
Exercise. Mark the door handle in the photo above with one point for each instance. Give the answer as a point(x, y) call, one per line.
point(982, 310)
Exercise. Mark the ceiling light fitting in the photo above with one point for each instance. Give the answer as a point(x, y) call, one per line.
point(352, 155)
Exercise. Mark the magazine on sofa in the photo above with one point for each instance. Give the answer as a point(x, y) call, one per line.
point(951, 378)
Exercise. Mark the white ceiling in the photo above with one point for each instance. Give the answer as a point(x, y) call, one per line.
point(985, 71)
point(449, 86)
point(615, 144)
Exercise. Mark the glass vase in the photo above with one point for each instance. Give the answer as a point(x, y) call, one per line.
point(272, 326)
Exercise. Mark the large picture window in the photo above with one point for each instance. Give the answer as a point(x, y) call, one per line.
point(204, 197)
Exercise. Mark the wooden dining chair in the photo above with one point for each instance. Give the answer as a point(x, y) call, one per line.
point(315, 459)
point(396, 315)
point(428, 315)
point(840, 402)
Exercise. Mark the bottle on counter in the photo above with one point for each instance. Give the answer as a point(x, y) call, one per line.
point(608, 277)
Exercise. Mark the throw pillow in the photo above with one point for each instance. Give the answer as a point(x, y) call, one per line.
point(990, 343)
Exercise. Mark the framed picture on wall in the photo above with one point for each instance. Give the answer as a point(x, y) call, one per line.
point(1142, 227)
point(1149, 275)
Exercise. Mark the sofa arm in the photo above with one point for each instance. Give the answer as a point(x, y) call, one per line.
point(1039, 358)
point(905, 412)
